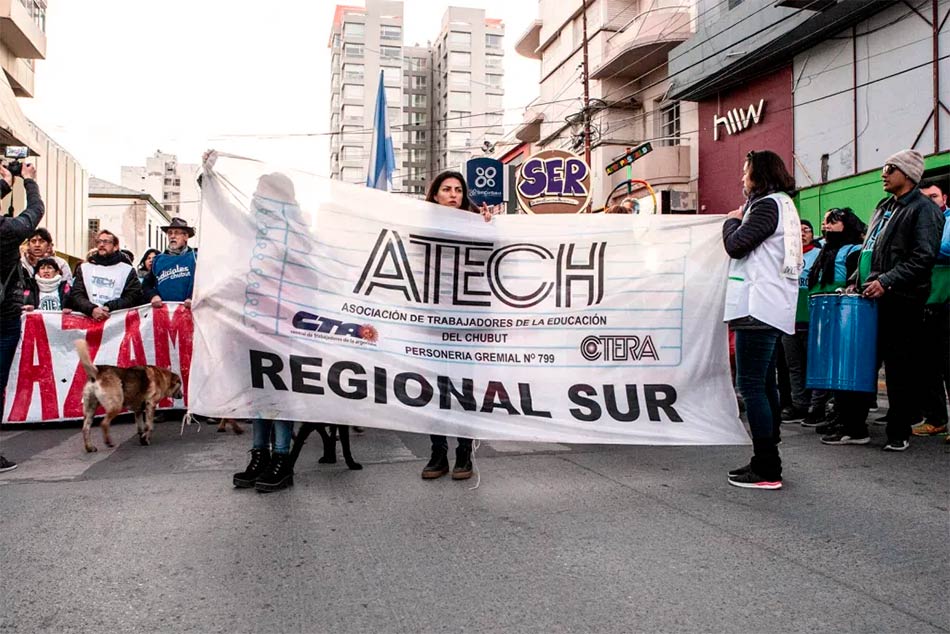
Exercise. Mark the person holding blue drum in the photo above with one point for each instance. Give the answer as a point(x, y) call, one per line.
point(764, 240)
point(894, 269)
point(843, 234)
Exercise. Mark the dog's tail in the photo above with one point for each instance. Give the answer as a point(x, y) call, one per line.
point(83, 349)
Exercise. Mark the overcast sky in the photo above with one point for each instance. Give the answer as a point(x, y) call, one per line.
point(122, 78)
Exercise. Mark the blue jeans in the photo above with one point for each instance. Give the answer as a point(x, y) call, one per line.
point(283, 434)
point(9, 338)
point(755, 378)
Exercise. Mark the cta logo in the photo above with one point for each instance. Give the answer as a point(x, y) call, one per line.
point(554, 182)
point(618, 348)
point(324, 325)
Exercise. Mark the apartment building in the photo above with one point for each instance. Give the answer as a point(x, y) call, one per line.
point(171, 183)
point(444, 100)
point(363, 43)
point(468, 86)
point(628, 42)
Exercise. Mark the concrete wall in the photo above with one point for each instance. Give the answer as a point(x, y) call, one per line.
point(892, 107)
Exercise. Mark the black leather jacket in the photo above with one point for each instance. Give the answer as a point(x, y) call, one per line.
point(907, 248)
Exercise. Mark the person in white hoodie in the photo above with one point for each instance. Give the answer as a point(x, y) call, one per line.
point(764, 240)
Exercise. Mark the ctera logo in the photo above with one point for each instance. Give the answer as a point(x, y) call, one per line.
point(618, 348)
point(554, 182)
point(315, 323)
point(736, 120)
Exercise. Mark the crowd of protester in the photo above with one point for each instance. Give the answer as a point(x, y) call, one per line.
point(900, 260)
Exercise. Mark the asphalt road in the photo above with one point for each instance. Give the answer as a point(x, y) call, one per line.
point(555, 538)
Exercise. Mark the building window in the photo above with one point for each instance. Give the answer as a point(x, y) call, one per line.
point(352, 50)
point(393, 94)
point(460, 78)
point(494, 81)
point(458, 140)
point(493, 119)
point(492, 40)
point(418, 82)
point(462, 38)
point(392, 75)
point(418, 101)
point(417, 118)
point(353, 73)
point(418, 63)
point(460, 100)
point(734, 3)
point(419, 137)
point(353, 91)
point(354, 29)
point(351, 134)
point(352, 175)
point(390, 32)
point(493, 62)
point(668, 119)
point(389, 52)
point(351, 153)
point(460, 59)
point(494, 100)
point(352, 113)
point(394, 115)
point(459, 119)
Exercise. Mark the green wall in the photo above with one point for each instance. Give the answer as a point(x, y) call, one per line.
point(861, 192)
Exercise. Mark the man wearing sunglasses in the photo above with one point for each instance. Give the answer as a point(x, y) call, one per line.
point(894, 268)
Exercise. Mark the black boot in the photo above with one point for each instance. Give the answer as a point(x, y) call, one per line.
point(438, 465)
point(279, 474)
point(463, 464)
point(260, 458)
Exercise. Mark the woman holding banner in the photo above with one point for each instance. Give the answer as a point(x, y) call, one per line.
point(449, 190)
point(763, 238)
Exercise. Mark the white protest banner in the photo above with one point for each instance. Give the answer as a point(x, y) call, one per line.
point(46, 379)
point(321, 301)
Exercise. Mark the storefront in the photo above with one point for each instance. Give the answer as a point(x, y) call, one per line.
point(756, 115)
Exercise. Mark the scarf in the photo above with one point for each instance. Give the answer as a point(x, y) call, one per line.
point(171, 251)
point(823, 270)
point(48, 285)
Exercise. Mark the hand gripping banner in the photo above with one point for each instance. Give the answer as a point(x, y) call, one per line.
point(321, 301)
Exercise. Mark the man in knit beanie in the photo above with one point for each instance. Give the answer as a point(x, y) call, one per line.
point(894, 270)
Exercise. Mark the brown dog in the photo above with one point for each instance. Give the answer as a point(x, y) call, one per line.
point(140, 389)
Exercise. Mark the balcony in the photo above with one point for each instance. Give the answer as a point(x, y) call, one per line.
point(527, 45)
point(662, 166)
point(22, 28)
point(529, 130)
point(643, 44)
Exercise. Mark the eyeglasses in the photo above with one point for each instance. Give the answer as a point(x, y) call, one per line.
point(104, 241)
point(889, 169)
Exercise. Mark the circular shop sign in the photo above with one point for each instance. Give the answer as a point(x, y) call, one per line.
point(554, 182)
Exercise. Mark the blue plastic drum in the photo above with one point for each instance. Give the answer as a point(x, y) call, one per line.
point(842, 343)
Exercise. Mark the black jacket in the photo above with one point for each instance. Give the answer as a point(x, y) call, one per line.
point(907, 247)
point(131, 292)
point(13, 231)
point(32, 297)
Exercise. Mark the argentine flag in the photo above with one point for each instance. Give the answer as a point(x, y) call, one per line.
point(382, 160)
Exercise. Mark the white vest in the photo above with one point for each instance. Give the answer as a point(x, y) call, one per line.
point(104, 283)
point(759, 285)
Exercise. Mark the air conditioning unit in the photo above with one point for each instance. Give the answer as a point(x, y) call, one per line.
point(682, 201)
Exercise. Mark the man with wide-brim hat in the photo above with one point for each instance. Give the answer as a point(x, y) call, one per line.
point(172, 278)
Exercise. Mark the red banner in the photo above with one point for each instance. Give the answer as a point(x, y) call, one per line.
point(46, 379)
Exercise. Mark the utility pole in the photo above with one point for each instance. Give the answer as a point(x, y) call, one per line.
point(586, 85)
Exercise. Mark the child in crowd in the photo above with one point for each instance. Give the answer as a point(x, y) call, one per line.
point(47, 291)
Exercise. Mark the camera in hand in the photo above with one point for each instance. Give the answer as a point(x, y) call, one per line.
point(16, 152)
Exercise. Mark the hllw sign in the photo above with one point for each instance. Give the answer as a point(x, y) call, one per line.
point(737, 119)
